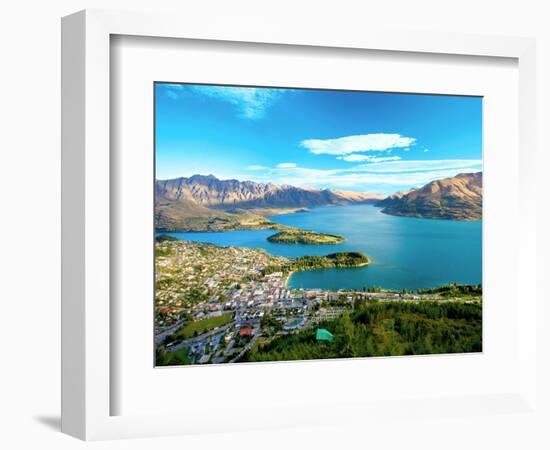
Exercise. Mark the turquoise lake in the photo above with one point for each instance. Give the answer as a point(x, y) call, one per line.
point(407, 253)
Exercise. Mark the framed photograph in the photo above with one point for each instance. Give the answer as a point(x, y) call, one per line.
point(250, 215)
point(291, 225)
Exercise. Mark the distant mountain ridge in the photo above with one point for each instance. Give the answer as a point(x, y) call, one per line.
point(206, 203)
point(211, 192)
point(179, 200)
point(456, 198)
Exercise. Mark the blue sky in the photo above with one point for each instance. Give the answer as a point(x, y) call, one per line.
point(360, 141)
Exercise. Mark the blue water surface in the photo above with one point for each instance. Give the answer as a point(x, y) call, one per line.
point(407, 253)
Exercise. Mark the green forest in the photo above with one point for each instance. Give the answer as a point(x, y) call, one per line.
point(340, 259)
point(330, 261)
point(385, 329)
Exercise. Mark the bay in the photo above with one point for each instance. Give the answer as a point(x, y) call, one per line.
point(406, 253)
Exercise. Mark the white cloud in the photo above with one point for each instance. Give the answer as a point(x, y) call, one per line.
point(250, 103)
point(420, 166)
point(170, 93)
point(367, 158)
point(387, 176)
point(256, 167)
point(286, 165)
point(426, 150)
point(358, 143)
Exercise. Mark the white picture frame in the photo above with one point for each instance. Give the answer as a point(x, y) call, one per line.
point(86, 217)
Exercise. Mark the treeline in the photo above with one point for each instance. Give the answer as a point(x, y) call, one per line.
point(455, 290)
point(385, 329)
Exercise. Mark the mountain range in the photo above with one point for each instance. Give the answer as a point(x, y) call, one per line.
point(206, 203)
point(209, 191)
point(456, 198)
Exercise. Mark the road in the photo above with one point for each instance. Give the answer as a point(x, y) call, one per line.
point(191, 341)
point(161, 336)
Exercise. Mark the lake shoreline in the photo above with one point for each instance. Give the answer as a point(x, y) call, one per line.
point(410, 253)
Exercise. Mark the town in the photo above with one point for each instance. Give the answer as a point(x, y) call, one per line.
point(214, 304)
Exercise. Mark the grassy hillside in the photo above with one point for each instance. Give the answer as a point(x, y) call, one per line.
point(456, 198)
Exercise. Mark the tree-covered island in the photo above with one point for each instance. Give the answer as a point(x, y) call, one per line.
point(298, 236)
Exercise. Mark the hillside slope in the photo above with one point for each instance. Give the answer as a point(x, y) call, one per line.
point(456, 198)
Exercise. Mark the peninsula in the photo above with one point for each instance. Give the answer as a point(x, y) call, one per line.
point(330, 261)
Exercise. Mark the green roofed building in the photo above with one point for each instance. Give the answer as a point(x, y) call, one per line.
point(324, 335)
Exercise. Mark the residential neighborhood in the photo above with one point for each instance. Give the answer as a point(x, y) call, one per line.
point(213, 304)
